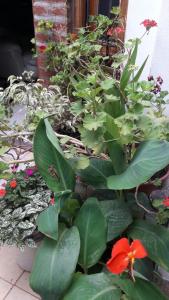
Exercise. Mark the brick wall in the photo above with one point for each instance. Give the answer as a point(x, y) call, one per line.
point(57, 12)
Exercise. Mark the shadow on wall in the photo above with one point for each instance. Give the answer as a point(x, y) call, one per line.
point(16, 32)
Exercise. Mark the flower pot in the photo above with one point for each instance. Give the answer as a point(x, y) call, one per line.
point(26, 257)
point(163, 274)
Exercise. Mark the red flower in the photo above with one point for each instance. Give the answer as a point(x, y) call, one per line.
point(124, 254)
point(42, 48)
point(2, 193)
point(116, 31)
point(13, 184)
point(73, 36)
point(52, 201)
point(149, 23)
point(166, 202)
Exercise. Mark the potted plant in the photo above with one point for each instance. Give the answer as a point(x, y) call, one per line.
point(23, 196)
point(95, 230)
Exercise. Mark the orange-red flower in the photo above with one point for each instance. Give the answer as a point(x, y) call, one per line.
point(13, 184)
point(2, 193)
point(149, 23)
point(123, 255)
point(166, 202)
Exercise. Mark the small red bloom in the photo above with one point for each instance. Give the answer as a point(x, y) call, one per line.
point(166, 202)
point(149, 23)
point(42, 48)
point(124, 254)
point(52, 201)
point(73, 36)
point(115, 31)
point(13, 184)
point(2, 193)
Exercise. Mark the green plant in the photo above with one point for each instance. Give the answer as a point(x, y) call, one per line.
point(97, 199)
point(22, 198)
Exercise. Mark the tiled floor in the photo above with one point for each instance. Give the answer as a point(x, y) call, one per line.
point(14, 282)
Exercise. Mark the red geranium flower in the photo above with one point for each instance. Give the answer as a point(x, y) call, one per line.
point(52, 201)
point(149, 23)
point(13, 184)
point(166, 202)
point(2, 193)
point(116, 31)
point(124, 254)
point(42, 48)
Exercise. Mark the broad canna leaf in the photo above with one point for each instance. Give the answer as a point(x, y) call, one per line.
point(155, 239)
point(128, 70)
point(92, 227)
point(117, 215)
point(140, 290)
point(96, 173)
point(92, 287)
point(54, 265)
point(47, 221)
point(151, 157)
point(50, 160)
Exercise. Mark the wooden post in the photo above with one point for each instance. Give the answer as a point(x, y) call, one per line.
point(123, 15)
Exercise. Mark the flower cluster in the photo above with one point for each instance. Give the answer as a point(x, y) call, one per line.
point(157, 84)
point(148, 24)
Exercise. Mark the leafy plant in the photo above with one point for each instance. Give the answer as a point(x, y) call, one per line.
point(22, 198)
point(121, 143)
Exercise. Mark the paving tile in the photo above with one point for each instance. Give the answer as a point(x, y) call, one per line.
point(9, 269)
point(18, 294)
point(4, 288)
point(23, 283)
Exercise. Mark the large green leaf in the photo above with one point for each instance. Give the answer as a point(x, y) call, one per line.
point(128, 68)
point(93, 230)
point(54, 265)
point(97, 171)
point(92, 287)
point(151, 157)
point(50, 160)
point(47, 221)
point(140, 290)
point(155, 239)
point(118, 217)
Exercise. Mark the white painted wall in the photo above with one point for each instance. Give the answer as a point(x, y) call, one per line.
point(138, 11)
point(160, 59)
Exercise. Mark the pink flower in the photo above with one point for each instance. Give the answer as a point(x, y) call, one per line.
point(52, 201)
point(149, 23)
point(2, 193)
point(115, 31)
point(166, 202)
point(29, 172)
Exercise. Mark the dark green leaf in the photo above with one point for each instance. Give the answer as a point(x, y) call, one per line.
point(151, 157)
point(93, 230)
point(92, 287)
point(140, 290)
point(155, 239)
point(50, 160)
point(54, 265)
point(118, 217)
point(97, 171)
point(47, 221)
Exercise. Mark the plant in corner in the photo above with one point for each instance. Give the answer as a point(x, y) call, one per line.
point(97, 243)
